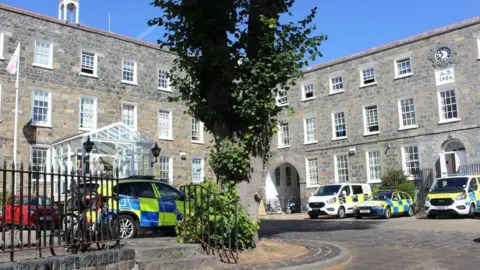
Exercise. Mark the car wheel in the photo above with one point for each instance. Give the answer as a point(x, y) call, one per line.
point(471, 211)
point(358, 216)
point(128, 227)
point(387, 213)
point(341, 212)
point(431, 216)
point(313, 216)
point(410, 212)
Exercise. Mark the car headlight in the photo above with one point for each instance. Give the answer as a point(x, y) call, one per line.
point(462, 196)
point(377, 207)
point(332, 200)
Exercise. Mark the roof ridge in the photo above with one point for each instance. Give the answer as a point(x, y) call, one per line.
point(393, 44)
point(84, 27)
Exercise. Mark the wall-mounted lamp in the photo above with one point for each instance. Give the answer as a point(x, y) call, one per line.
point(387, 146)
point(155, 152)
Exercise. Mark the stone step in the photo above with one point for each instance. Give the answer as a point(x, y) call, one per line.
point(167, 251)
point(200, 262)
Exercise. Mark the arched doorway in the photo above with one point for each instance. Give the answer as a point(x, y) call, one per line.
point(281, 184)
point(452, 157)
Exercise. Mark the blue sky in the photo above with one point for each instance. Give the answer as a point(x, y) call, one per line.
point(351, 25)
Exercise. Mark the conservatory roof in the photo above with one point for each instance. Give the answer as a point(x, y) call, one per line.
point(114, 133)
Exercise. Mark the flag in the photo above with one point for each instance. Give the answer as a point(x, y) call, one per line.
point(12, 65)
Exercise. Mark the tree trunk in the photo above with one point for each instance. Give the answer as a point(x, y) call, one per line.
point(251, 190)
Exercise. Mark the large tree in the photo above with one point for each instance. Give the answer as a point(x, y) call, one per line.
point(233, 57)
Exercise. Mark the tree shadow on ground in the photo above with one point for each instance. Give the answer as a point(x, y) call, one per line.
point(276, 227)
point(477, 240)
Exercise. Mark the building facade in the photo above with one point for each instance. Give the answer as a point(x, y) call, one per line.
point(411, 105)
point(78, 82)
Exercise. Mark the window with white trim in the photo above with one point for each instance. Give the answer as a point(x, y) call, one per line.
point(339, 125)
point(411, 161)
point(308, 91)
point(310, 130)
point(163, 81)
point(165, 125)
point(374, 167)
point(1, 45)
point(312, 172)
point(38, 159)
point(282, 98)
point(371, 119)
point(129, 71)
point(197, 170)
point(283, 135)
point(89, 64)
point(165, 164)
point(407, 113)
point(88, 113)
point(448, 105)
point(43, 56)
point(129, 115)
point(336, 84)
point(197, 130)
point(341, 169)
point(1, 102)
point(288, 176)
point(277, 176)
point(403, 67)
point(368, 76)
point(478, 44)
point(42, 108)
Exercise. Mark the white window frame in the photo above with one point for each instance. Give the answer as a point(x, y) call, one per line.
point(334, 126)
point(336, 168)
point(307, 172)
point(1, 102)
point(278, 177)
point(395, 63)
point(47, 124)
point(95, 113)
point(305, 130)
point(280, 104)
point(202, 168)
point(170, 167)
point(367, 155)
point(95, 63)
point(362, 80)
point(279, 135)
point(441, 114)
point(336, 91)
point(170, 132)
point(47, 160)
point(2, 35)
point(365, 127)
point(478, 45)
point(201, 126)
point(400, 114)
point(302, 85)
point(135, 71)
point(168, 88)
point(406, 170)
point(50, 66)
point(135, 113)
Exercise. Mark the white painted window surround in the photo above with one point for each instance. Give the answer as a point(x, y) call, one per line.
point(283, 135)
point(403, 67)
point(367, 76)
point(448, 105)
point(197, 170)
point(310, 130)
point(43, 54)
point(88, 64)
point(411, 159)
point(165, 125)
point(407, 113)
point(308, 90)
point(88, 113)
point(129, 71)
point(2, 35)
point(374, 167)
point(341, 168)
point(312, 172)
point(42, 108)
point(478, 45)
point(371, 120)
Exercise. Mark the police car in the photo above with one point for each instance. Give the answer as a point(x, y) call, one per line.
point(385, 203)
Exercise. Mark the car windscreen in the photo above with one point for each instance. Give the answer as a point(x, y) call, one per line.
point(381, 196)
point(327, 190)
point(449, 184)
point(37, 201)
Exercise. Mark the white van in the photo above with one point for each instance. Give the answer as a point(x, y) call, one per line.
point(337, 199)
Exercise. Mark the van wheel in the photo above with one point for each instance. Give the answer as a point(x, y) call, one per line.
point(431, 216)
point(128, 227)
point(410, 212)
point(313, 216)
point(471, 211)
point(387, 213)
point(358, 216)
point(341, 212)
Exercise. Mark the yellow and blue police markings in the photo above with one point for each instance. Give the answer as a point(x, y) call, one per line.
point(386, 203)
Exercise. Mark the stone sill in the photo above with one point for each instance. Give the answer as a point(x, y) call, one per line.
point(89, 75)
point(340, 138)
point(407, 128)
point(371, 133)
point(403, 76)
point(283, 147)
point(282, 105)
point(336, 93)
point(198, 142)
point(367, 85)
point(307, 99)
point(41, 125)
point(42, 66)
point(449, 121)
point(165, 139)
point(312, 142)
point(129, 83)
point(164, 90)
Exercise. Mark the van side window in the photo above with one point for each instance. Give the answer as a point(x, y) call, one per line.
point(347, 190)
point(357, 189)
point(401, 196)
point(473, 185)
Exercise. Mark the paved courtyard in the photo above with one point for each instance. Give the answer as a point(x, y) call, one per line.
point(400, 243)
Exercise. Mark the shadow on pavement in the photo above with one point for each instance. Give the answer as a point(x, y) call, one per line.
point(477, 240)
point(275, 227)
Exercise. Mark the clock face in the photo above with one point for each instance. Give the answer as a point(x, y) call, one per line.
point(442, 54)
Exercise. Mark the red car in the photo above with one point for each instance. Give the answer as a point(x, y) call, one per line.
point(42, 211)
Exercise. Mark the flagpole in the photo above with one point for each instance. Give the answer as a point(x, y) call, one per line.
point(16, 117)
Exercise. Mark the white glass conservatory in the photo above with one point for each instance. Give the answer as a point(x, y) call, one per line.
point(116, 147)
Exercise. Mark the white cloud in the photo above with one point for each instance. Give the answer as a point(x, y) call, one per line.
point(146, 32)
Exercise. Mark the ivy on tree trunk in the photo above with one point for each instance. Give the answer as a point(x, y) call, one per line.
point(233, 57)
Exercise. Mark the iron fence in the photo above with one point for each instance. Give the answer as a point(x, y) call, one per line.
point(473, 169)
point(423, 180)
point(211, 221)
point(57, 211)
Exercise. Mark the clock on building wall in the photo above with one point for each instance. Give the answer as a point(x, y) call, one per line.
point(441, 55)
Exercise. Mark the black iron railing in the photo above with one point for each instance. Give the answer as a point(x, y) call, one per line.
point(38, 212)
point(205, 222)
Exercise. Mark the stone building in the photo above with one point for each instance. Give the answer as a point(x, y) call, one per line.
point(413, 104)
point(78, 82)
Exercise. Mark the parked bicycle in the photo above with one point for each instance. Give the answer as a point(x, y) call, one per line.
point(274, 209)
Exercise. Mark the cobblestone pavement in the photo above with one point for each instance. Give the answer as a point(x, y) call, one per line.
point(401, 243)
